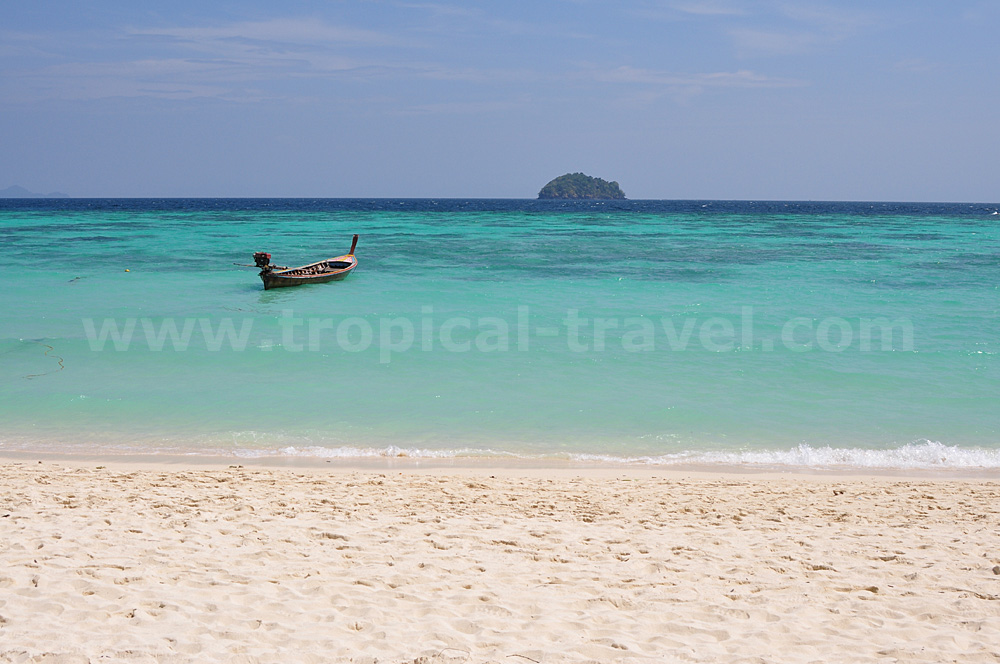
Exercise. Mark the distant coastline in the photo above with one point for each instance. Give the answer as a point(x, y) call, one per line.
point(17, 191)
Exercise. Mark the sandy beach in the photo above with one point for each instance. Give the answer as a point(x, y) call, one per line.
point(247, 564)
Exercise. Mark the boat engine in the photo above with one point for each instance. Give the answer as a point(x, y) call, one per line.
point(262, 259)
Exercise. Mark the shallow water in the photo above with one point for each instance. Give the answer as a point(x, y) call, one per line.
point(811, 334)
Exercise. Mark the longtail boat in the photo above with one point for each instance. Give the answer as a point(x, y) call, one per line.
point(320, 272)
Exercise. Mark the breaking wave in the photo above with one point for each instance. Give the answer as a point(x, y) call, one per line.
point(929, 455)
point(918, 455)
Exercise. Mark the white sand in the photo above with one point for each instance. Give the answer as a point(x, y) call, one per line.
point(258, 565)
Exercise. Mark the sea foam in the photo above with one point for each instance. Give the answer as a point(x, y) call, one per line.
point(917, 455)
point(921, 455)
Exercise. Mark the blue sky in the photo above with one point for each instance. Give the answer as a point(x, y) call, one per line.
point(721, 99)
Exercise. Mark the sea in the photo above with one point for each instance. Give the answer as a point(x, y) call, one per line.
point(758, 334)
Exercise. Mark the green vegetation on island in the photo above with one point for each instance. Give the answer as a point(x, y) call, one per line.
point(578, 185)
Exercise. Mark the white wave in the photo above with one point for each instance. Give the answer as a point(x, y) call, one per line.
point(388, 452)
point(919, 455)
point(912, 456)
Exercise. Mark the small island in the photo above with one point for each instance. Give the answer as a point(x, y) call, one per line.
point(580, 186)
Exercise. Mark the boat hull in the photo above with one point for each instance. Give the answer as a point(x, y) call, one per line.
point(298, 277)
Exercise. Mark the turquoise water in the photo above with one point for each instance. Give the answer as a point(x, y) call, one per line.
point(655, 332)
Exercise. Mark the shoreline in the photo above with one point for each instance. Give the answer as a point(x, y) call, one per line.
point(510, 467)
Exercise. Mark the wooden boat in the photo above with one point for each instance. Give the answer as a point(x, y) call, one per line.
point(320, 272)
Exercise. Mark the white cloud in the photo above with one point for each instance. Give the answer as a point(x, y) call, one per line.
point(276, 31)
point(772, 27)
point(799, 27)
point(295, 46)
point(829, 19)
point(226, 61)
point(710, 8)
point(737, 79)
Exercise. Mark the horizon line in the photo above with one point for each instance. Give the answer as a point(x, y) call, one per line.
point(43, 197)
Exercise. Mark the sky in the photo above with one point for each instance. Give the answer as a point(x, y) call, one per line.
point(896, 100)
